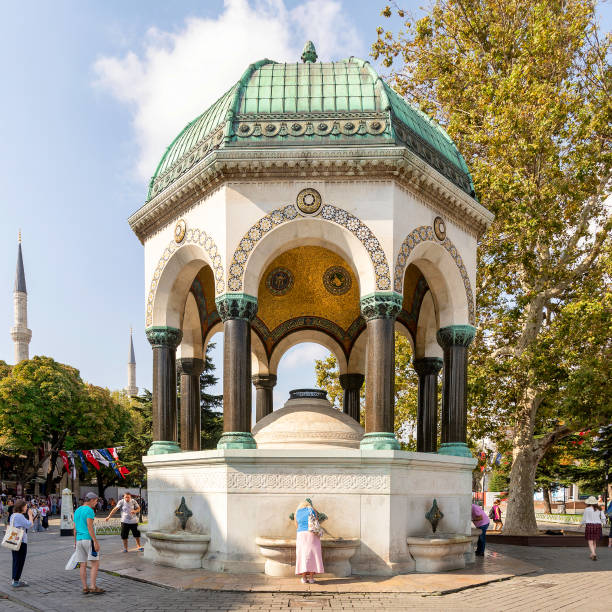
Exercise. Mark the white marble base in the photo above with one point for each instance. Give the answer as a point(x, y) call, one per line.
point(439, 553)
point(377, 497)
point(181, 549)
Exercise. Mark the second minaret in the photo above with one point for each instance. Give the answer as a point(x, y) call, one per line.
point(20, 333)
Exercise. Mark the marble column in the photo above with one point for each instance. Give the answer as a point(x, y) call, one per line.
point(455, 340)
point(190, 369)
point(379, 310)
point(351, 385)
point(264, 403)
point(164, 341)
point(427, 369)
point(236, 310)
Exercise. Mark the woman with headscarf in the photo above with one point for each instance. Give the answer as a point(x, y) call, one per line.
point(308, 555)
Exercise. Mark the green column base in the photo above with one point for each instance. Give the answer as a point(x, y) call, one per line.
point(457, 449)
point(237, 439)
point(379, 440)
point(163, 447)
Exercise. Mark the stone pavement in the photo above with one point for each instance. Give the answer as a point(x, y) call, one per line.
point(565, 578)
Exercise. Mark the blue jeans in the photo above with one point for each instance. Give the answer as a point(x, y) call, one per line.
point(19, 557)
point(482, 539)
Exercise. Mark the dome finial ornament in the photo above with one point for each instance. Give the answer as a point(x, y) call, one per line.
point(309, 54)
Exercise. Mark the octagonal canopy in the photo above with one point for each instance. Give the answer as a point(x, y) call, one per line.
point(320, 104)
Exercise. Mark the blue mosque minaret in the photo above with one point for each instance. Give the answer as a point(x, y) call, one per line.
point(20, 333)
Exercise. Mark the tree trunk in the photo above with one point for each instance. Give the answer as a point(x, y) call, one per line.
point(546, 492)
point(50, 480)
point(520, 516)
point(101, 483)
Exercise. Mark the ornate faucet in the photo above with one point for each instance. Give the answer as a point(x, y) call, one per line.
point(183, 513)
point(434, 515)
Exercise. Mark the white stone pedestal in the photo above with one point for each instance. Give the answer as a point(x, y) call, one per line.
point(377, 497)
point(439, 553)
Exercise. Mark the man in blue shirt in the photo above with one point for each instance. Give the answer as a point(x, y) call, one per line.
point(86, 543)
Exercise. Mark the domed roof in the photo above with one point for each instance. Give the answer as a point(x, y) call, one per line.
point(320, 104)
point(307, 422)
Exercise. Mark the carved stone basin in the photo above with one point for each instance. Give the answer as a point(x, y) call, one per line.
point(279, 554)
point(182, 549)
point(439, 552)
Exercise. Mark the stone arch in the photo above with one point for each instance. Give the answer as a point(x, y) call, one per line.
point(357, 356)
point(191, 344)
point(343, 233)
point(426, 344)
point(308, 335)
point(421, 248)
point(174, 274)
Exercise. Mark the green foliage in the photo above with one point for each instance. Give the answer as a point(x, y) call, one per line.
point(499, 481)
point(139, 438)
point(212, 405)
point(328, 375)
point(523, 88)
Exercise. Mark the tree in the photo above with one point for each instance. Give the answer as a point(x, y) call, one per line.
point(212, 405)
point(139, 438)
point(523, 87)
point(328, 378)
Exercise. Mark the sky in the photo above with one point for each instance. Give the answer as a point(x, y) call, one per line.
point(93, 93)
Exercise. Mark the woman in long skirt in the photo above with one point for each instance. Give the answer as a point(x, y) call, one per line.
point(593, 519)
point(308, 555)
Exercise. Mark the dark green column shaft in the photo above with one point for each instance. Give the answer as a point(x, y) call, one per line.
point(164, 341)
point(455, 340)
point(264, 398)
point(351, 385)
point(190, 369)
point(379, 310)
point(236, 312)
point(427, 369)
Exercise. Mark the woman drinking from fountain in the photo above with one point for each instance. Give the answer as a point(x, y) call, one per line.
point(308, 555)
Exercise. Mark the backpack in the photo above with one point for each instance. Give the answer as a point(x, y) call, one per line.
point(492, 513)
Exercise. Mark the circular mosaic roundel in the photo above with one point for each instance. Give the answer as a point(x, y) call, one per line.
point(179, 231)
point(440, 228)
point(309, 201)
point(279, 281)
point(337, 280)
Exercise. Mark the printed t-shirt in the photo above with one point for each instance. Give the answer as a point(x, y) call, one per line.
point(80, 522)
point(126, 511)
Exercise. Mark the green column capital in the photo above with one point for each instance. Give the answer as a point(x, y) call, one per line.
point(381, 305)
point(427, 365)
point(236, 306)
point(455, 335)
point(164, 336)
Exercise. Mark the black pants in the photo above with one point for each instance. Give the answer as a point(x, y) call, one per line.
point(19, 557)
point(127, 527)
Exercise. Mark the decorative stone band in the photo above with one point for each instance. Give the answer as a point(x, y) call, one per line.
point(327, 212)
point(236, 306)
point(192, 366)
point(308, 394)
point(381, 305)
point(379, 440)
point(427, 365)
point(351, 382)
point(422, 234)
point(264, 381)
point(455, 335)
point(164, 336)
point(236, 439)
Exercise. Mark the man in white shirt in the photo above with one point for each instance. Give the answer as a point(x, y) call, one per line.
point(129, 519)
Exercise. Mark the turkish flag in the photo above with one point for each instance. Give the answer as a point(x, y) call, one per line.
point(91, 459)
point(64, 457)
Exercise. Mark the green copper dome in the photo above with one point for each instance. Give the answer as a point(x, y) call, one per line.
point(316, 104)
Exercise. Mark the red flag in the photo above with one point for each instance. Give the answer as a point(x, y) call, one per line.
point(91, 459)
point(113, 452)
point(64, 457)
point(123, 471)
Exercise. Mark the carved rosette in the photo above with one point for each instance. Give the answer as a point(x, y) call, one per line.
point(427, 365)
point(381, 305)
point(455, 335)
point(236, 306)
point(160, 336)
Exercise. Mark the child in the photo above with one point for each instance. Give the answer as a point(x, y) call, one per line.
point(496, 515)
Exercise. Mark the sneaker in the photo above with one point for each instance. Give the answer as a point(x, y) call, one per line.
point(124, 550)
point(19, 583)
point(141, 549)
point(304, 581)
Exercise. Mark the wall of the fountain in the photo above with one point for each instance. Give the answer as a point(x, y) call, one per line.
point(380, 497)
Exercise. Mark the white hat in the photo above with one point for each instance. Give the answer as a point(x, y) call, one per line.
point(591, 501)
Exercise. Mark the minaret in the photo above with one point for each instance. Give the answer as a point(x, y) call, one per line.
point(131, 389)
point(19, 332)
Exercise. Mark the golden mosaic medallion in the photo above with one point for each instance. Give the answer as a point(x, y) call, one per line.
point(440, 228)
point(179, 231)
point(279, 281)
point(308, 201)
point(337, 280)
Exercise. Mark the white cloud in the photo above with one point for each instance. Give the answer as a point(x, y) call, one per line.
point(174, 77)
point(303, 356)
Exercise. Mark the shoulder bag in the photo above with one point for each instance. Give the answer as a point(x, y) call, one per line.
point(313, 523)
point(12, 537)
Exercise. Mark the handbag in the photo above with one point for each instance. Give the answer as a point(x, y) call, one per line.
point(72, 562)
point(13, 536)
point(313, 524)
